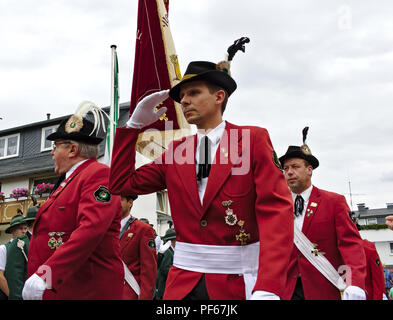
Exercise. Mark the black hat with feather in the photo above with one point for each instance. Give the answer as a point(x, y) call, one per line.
point(216, 73)
point(78, 128)
point(302, 152)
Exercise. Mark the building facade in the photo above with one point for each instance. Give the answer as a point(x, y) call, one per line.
point(25, 162)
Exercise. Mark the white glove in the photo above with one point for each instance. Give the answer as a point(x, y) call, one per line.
point(384, 297)
point(353, 293)
point(34, 288)
point(264, 295)
point(144, 113)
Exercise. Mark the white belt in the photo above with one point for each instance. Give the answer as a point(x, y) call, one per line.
point(242, 260)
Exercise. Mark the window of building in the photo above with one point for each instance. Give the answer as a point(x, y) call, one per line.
point(38, 181)
point(372, 221)
point(46, 145)
point(9, 146)
point(391, 247)
point(162, 202)
point(362, 222)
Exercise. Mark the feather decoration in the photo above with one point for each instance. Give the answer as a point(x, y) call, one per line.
point(305, 131)
point(88, 106)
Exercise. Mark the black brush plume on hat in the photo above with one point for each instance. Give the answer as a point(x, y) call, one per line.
point(216, 73)
point(302, 152)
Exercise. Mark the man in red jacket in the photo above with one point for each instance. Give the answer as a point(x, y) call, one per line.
point(323, 218)
point(74, 252)
point(138, 251)
point(230, 205)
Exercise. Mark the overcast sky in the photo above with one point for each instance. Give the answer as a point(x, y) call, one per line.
point(323, 64)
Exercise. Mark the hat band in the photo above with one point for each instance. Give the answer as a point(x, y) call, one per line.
point(188, 76)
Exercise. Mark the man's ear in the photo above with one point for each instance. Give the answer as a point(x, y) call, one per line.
point(220, 96)
point(74, 150)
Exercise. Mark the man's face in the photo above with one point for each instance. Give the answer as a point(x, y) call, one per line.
point(19, 230)
point(126, 206)
point(297, 174)
point(60, 154)
point(200, 107)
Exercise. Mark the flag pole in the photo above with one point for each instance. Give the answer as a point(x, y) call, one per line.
point(113, 111)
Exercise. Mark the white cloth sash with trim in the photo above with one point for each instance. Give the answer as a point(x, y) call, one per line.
point(242, 260)
point(318, 261)
point(129, 277)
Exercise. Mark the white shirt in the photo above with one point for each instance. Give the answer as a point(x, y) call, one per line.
point(123, 222)
point(73, 168)
point(306, 197)
point(3, 256)
point(215, 138)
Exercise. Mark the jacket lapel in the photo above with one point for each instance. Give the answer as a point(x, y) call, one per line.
point(312, 208)
point(227, 155)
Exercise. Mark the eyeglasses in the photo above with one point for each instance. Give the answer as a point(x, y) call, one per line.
point(56, 144)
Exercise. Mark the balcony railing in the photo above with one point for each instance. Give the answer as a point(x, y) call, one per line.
point(9, 208)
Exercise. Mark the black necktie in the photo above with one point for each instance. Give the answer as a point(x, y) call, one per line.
point(204, 163)
point(58, 182)
point(299, 205)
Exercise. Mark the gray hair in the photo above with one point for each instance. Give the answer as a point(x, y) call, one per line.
point(86, 150)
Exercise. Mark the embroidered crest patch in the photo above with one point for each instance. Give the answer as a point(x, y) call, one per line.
point(102, 194)
point(152, 244)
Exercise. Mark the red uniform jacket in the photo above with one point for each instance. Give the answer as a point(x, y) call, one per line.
point(327, 224)
point(138, 252)
point(86, 219)
point(375, 279)
point(244, 172)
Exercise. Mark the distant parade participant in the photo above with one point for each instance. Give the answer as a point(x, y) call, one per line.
point(166, 263)
point(375, 279)
point(75, 252)
point(16, 267)
point(30, 218)
point(138, 251)
point(16, 228)
point(225, 187)
point(325, 237)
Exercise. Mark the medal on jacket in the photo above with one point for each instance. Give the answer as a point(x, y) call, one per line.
point(230, 217)
point(54, 243)
point(242, 236)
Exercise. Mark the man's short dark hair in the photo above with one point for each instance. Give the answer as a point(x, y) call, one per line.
point(131, 197)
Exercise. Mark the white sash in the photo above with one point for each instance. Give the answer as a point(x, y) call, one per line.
point(317, 259)
point(242, 260)
point(129, 277)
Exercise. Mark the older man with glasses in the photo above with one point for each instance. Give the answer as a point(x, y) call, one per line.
point(74, 252)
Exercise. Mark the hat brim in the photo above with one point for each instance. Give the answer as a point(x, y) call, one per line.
point(299, 154)
point(8, 230)
point(75, 136)
point(217, 77)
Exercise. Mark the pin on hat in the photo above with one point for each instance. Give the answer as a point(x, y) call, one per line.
point(303, 152)
point(216, 73)
point(78, 128)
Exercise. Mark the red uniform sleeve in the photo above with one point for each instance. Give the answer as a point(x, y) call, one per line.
point(124, 179)
point(274, 214)
point(148, 261)
point(349, 244)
